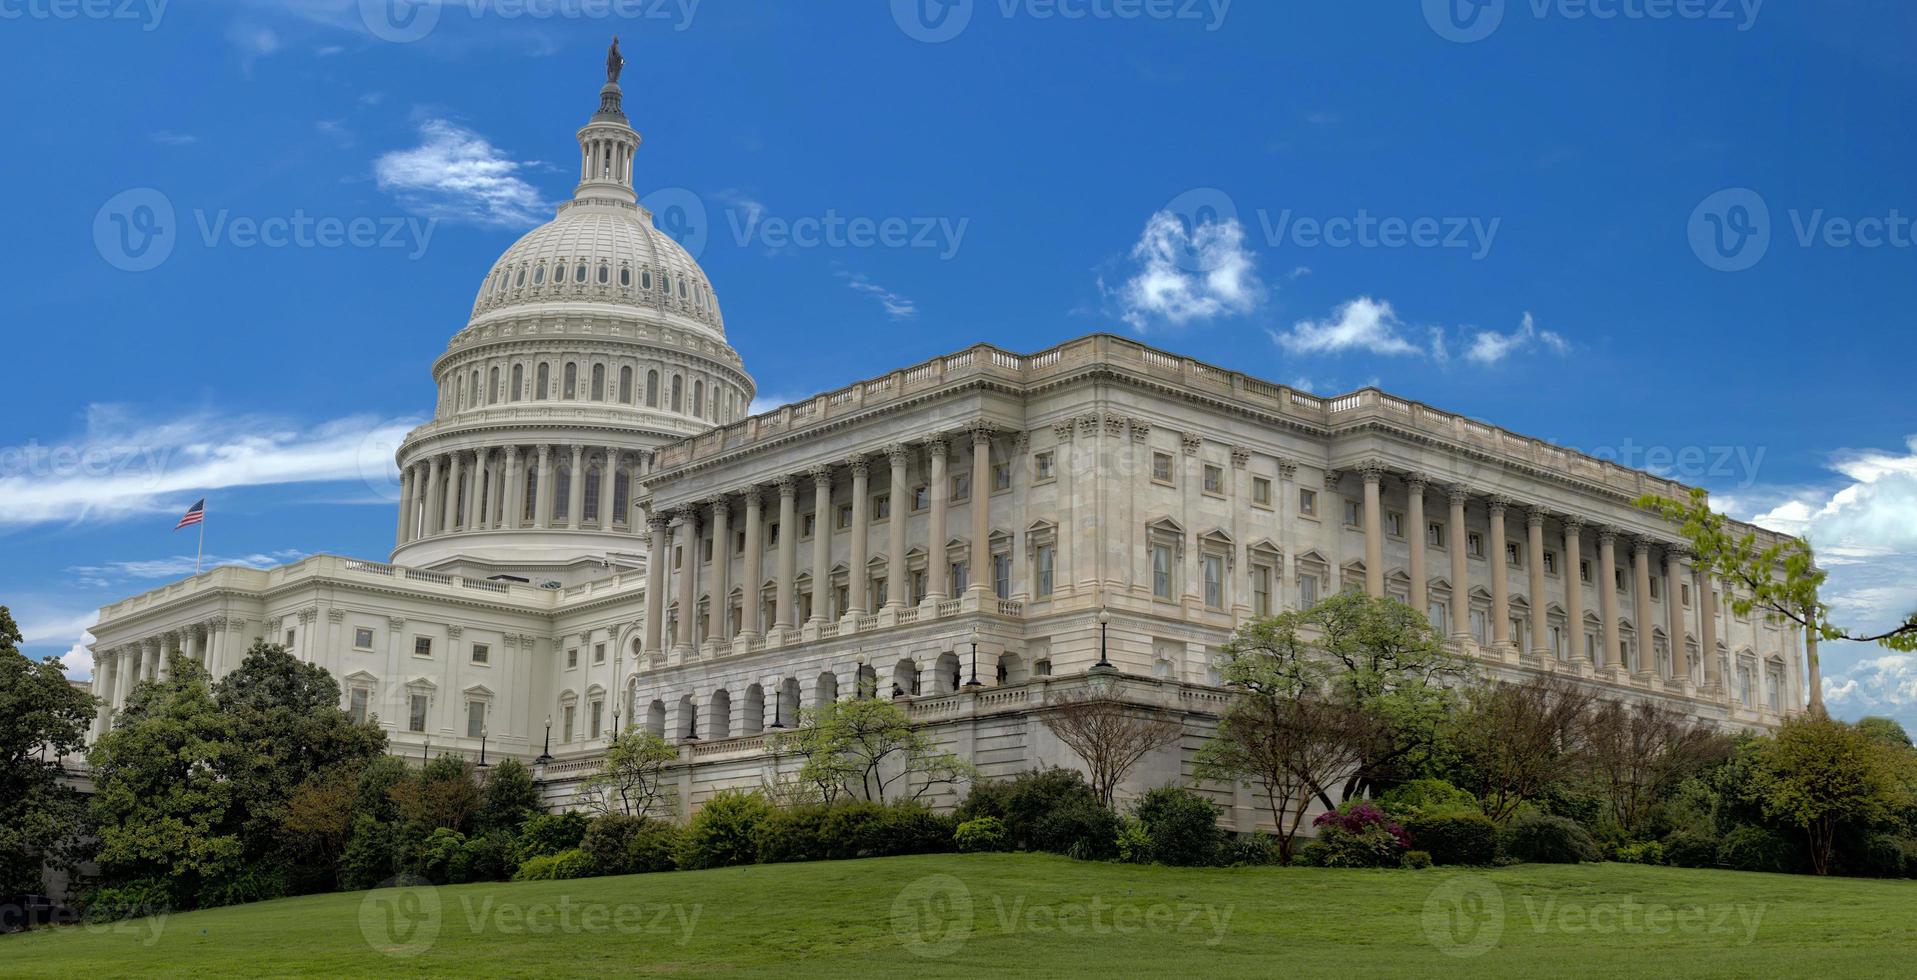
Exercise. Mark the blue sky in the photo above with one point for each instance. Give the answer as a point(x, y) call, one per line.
point(1676, 234)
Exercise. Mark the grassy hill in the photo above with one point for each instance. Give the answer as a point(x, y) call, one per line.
point(1033, 916)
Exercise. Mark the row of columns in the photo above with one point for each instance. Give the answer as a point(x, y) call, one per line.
point(676, 538)
point(117, 670)
point(484, 490)
point(1674, 571)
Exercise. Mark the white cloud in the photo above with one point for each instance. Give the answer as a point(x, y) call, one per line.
point(896, 307)
point(772, 403)
point(178, 566)
point(253, 43)
point(1490, 347)
point(167, 137)
point(456, 174)
point(1187, 275)
point(123, 465)
point(1363, 324)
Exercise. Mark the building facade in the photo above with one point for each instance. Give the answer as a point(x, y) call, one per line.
point(595, 535)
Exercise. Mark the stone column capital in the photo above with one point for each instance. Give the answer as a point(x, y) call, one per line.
point(982, 432)
point(1087, 424)
point(1240, 458)
point(1287, 469)
point(658, 523)
point(859, 464)
point(788, 486)
point(1608, 535)
point(1062, 431)
point(899, 454)
point(1332, 477)
point(1373, 470)
point(1416, 482)
point(1497, 504)
point(1191, 443)
point(1534, 517)
point(1573, 525)
point(937, 446)
point(1458, 493)
point(1140, 428)
point(1114, 424)
point(821, 476)
point(1641, 547)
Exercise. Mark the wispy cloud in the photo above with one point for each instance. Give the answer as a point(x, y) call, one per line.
point(896, 307)
point(1184, 275)
point(124, 465)
point(1490, 347)
point(457, 174)
point(166, 137)
point(253, 43)
point(107, 574)
point(1367, 325)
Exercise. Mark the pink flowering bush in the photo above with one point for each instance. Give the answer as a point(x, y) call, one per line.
point(1356, 835)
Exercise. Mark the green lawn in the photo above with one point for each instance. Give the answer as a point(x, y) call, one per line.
point(1036, 916)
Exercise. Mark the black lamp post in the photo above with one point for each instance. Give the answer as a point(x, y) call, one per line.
point(974, 682)
point(426, 751)
point(1104, 620)
point(778, 706)
point(545, 754)
point(482, 746)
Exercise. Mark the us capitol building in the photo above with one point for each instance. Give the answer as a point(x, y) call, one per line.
point(595, 535)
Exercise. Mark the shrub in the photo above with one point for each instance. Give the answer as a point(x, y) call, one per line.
point(369, 854)
point(133, 899)
point(910, 828)
point(1886, 856)
point(563, 866)
point(1751, 848)
point(1422, 796)
point(1134, 841)
point(1641, 852)
point(617, 844)
point(721, 833)
point(853, 830)
point(1690, 849)
point(1047, 810)
point(491, 856)
point(1183, 826)
point(1417, 860)
point(1455, 837)
point(252, 883)
point(792, 834)
point(980, 835)
point(551, 833)
point(1545, 839)
point(1251, 849)
point(442, 858)
point(1357, 835)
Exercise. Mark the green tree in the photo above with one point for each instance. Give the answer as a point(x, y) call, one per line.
point(861, 749)
point(1886, 730)
point(1782, 580)
point(162, 802)
point(42, 717)
point(1818, 775)
point(509, 798)
point(443, 795)
point(631, 778)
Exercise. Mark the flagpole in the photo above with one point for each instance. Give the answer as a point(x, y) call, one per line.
point(201, 550)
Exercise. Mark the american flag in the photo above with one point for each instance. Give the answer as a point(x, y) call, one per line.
point(194, 515)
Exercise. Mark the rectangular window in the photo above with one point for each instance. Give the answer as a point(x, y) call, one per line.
point(961, 487)
point(356, 705)
point(572, 657)
point(422, 646)
point(1307, 502)
point(879, 589)
point(1437, 612)
point(1686, 590)
point(958, 575)
point(571, 715)
point(1214, 581)
point(1214, 480)
point(1047, 557)
point(1479, 625)
point(416, 713)
point(1260, 590)
point(1512, 556)
point(475, 718)
point(482, 653)
point(1394, 524)
point(598, 720)
point(1354, 514)
point(1590, 647)
point(738, 543)
point(1434, 534)
point(1623, 581)
point(845, 516)
point(1584, 571)
point(289, 640)
point(1044, 466)
point(921, 499)
point(705, 549)
point(808, 526)
point(599, 653)
point(1001, 476)
point(772, 533)
point(1161, 571)
point(1550, 563)
point(1474, 544)
point(1161, 467)
point(882, 507)
point(1002, 575)
point(1308, 590)
point(1654, 588)
point(1261, 491)
point(362, 638)
point(918, 587)
point(1557, 642)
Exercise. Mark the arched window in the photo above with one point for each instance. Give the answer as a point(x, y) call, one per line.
point(521, 279)
point(625, 385)
point(698, 399)
point(652, 389)
point(605, 273)
point(474, 390)
point(519, 382)
point(531, 494)
point(539, 274)
point(598, 382)
point(492, 387)
point(459, 394)
point(678, 393)
point(579, 273)
point(645, 279)
point(542, 381)
point(561, 492)
point(625, 277)
point(682, 289)
point(571, 389)
point(591, 507)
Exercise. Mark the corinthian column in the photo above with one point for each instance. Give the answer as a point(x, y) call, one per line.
point(542, 494)
point(576, 490)
point(686, 537)
point(429, 518)
point(608, 474)
point(1607, 596)
point(1573, 576)
point(1374, 529)
point(1540, 621)
point(1707, 632)
point(1460, 572)
point(449, 521)
point(405, 532)
point(861, 536)
point(785, 610)
point(897, 589)
point(823, 525)
point(656, 561)
point(1674, 611)
point(754, 563)
point(721, 570)
point(1500, 577)
point(1414, 534)
point(938, 487)
point(1641, 607)
point(513, 498)
point(980, 572)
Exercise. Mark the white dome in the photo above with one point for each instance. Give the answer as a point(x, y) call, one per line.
point(602, 250)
